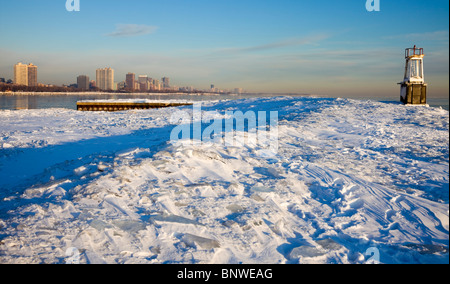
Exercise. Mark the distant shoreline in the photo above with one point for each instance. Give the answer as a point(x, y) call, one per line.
point(432, 101)
point(102, 94)
point(199, 93)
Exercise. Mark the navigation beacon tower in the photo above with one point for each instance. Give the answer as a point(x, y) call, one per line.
point(413, 87)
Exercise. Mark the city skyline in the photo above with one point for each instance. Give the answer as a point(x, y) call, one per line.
point(105, 80)
point(317, 47)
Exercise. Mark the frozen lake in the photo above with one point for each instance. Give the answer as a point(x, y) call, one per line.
point(351, 181)
point(13, 102)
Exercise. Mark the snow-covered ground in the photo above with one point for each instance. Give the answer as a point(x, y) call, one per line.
point(352, 182)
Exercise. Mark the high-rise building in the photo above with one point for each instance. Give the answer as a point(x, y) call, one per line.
point(121, 85)
point(143, 83)
point(136, 85)
point(32, 75)
point(21, 74)
point(105, 79)
point(83, 82)
point(166, 83)
point(100, 79)
point(129, 81)
point(156, 85)
point(25, 74)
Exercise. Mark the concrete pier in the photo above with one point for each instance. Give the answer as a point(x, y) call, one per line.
point(121, 106)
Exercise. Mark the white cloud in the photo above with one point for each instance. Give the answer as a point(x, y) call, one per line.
point(127, 30)
point(280, 44)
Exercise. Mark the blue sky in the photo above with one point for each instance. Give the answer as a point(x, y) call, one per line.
point(325, 47)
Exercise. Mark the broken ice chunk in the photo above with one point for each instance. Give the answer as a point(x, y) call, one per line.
point(99, 225)
point(229, 223)
point(130, 226)
point(425, 249)
point(55, 192)
point(204, 243)
point(235, 208)
point(173, 219)
point(305, 251)
point(261, 189)
point(257, 198)
point(80, 171)
point(101, 167)
point(7, 146)
point(329, 244)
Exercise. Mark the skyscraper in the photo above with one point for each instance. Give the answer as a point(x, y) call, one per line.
point(166, 82)
point(105, 79)
point(156, 85)
point(32, 75)
point(83, 82)
point(143, 83)
point(21, 74)
point(129, 81)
